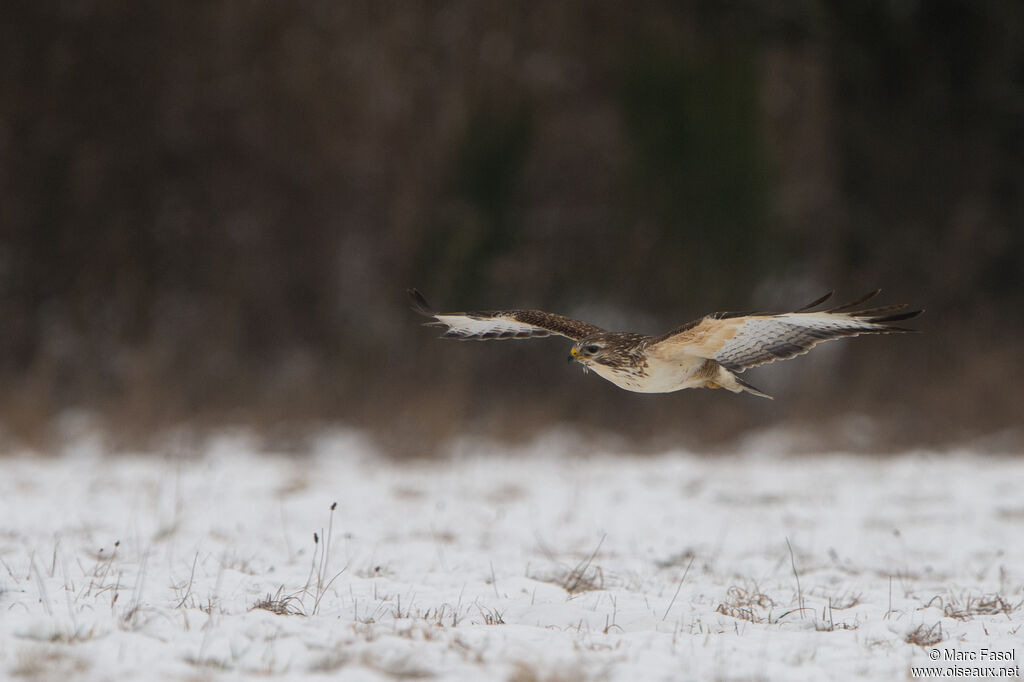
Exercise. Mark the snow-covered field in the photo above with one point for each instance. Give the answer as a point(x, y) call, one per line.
point(553, 562)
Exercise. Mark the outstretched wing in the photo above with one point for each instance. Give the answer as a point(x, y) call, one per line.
point(740, 341)
point(490, 325)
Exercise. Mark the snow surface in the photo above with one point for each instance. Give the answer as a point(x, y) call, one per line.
point(551, 562)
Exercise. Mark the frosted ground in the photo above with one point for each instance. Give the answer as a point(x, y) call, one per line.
point(550, 562)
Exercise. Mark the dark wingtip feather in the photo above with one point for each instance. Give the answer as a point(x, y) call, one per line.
point(418, 303)
point(853, 304)
point(817, 302)
point(898, 317)
point(877, 312)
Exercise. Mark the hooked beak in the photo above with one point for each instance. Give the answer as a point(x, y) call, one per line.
point(572, 355)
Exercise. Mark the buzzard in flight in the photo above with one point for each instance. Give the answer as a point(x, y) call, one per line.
point(707, 353)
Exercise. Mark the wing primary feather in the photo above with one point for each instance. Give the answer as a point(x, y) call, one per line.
point(875, 312)
point(419, 304)
point(816, 303)
point(896, 318)
point(730, 314)
point(853, 304)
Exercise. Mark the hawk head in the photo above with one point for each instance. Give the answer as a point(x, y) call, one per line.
point(614, 350)
point(588, 351)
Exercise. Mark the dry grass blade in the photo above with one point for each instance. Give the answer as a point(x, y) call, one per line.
point(581, 578)
point(280, 603)
point(799, 590)
point(925, 636)
point(985, 605)
point(746, 604)
point(678, 587)
point(320, 564)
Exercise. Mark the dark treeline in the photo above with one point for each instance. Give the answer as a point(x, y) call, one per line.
point(210, 211)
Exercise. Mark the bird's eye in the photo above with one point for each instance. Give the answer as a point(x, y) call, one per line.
point(592, 348)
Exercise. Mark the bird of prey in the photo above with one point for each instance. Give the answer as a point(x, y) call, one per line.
point(707, 353)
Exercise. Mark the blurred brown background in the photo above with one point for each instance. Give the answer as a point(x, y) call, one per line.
point(210, 210)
